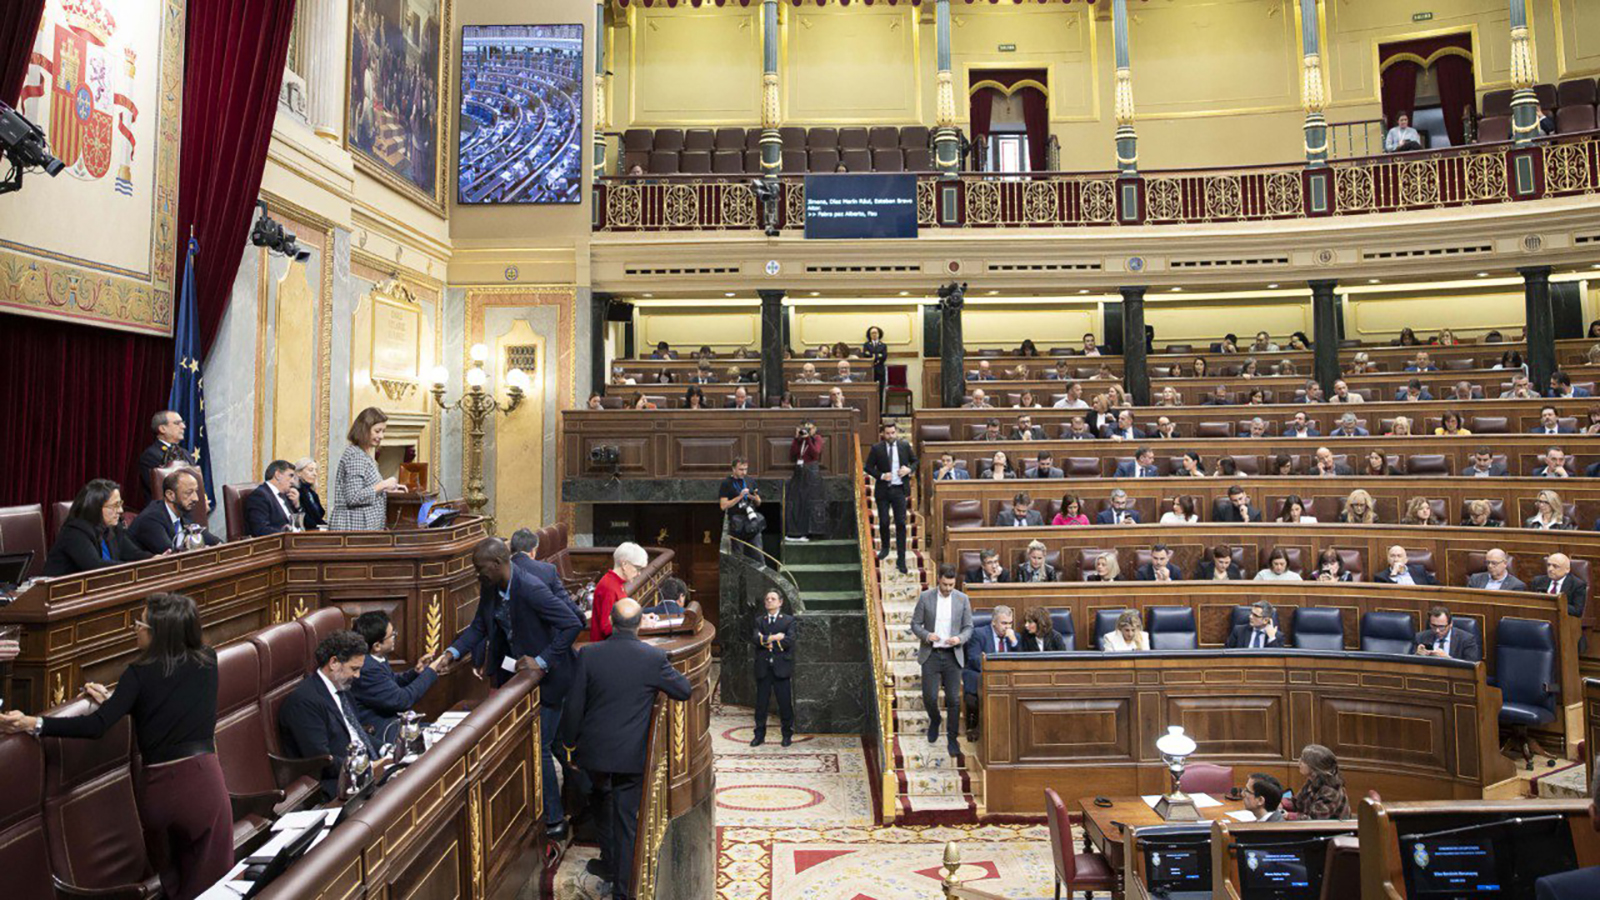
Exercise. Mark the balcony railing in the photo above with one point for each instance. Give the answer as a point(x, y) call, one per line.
point(1476, 175)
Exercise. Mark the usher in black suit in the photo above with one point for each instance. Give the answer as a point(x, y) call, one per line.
point(774, 671)
point(884, 460)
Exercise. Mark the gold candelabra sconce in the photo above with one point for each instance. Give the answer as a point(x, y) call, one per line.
point(478, 404)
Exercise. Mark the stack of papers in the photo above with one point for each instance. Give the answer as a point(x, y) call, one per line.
point(1201, 801)
point(306, 818)
point(1243, 815)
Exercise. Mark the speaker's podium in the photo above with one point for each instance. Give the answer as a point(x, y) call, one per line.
point(406, 505)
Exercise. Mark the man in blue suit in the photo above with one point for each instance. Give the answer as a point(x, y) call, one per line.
point(270, 508)
point(999, 636)
point(381, 694)
point(948, 471)
point(1550, 423)
point(524, 541)
point(1578, 884)
point(1120, 512)
point(521, 626)
point(157, 527)
point(1561, 387)
point(318, 717)
point(1143, 465)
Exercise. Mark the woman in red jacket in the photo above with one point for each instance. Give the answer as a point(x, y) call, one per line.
point(626, 562)
point(805, 513)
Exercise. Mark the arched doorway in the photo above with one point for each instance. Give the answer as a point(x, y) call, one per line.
point(1430, 80)
point(1009, 112)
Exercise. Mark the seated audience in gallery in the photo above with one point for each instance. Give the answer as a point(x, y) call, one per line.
point(1422, 362)
point(1160, 567)
point(1412, 392)
point(1039, 634)
point(1141, 466)
point(1120, 511)
point(1549, 514)
point(1402, 136)
point(1478, 514)
point(1442, 639)
point(1556, 465)
point(1033, 569)
point(1561, 387)
point(984, 372)
point(166, 523)
point(1330, 567)
point(1045, 466)
point(1343, 394)
point(1461, 392)
point(92, 536)
point(1128, 636)
point(1359, 509)
point(306, 473)
point(989, 569)
point(1550, 423)
point(1106, 568)
point(742, 400)
point(1025, 430)
point(978, 400)
point(1239, 508)
point(1377, 464)
point(1261, 631)
point(1277, 568)
point(1124, 429)
point(643, 401)
point(663, 351)
point(1020, 515)
point(271, 508)
point(1400, 570)
point(1294, 512)
point(1182, 512)
point(1484, 465)
point(1451, 424)
point(843, 373)
point(947, 470)
point(1071, 512)
point(1323, 465)
point(1190, 465)
point(999, 467)
point(1558, 579)
point(1419, 511)
point(694, 397)
point(1218, 566)
point(1301, 427)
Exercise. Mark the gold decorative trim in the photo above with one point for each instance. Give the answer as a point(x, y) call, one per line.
point(991, 83)
point(300, 610)
point(395, 389)
point(1427, 61)
point(475, 839)
point(58, 691)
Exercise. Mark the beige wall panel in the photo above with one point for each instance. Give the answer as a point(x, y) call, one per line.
point(696, 67)
point(852, 64)
point(1060, 39)
point(902, 328)
point(1054, 327)
point(517, 488)
point(1578, 52)
point(1356, 29)
point(1214, 57)
point(687, 329)
point(1210, 142)
point(1468, 315)
point(1203, 321)
point(294, 368)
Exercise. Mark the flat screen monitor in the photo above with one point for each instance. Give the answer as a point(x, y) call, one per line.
point(1282, 871)
point(1498, 856)
point(855, 206)
point(1174, 865)
point(521, 138)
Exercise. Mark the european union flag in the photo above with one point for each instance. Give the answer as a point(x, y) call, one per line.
point(188, 397)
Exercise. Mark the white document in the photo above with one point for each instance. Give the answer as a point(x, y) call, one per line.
point(1204, 801)
point(306, 818)
point(1242, 815)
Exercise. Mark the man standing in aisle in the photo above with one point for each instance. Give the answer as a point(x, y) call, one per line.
point(942, 623)
point(890, 463)
point(774, 661)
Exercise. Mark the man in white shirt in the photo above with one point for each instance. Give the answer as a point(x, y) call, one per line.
point(1302, 427)
point(1073, 399)
point(979, 400)
point(1402, 136)
point(1497, 576)
point(942, 622)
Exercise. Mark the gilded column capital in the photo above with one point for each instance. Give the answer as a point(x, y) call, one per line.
point(1522, 75)
point(1312, 94)
point(1124, 96)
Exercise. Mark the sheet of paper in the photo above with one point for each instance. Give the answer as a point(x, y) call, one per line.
point(1203, 801)
point(305, 818)
point(1242, 815)
point(1151, 799)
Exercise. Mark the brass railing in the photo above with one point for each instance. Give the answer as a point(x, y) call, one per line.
point(1476, 174)
point(655, 802)
point(956, 890)
point(878, 648)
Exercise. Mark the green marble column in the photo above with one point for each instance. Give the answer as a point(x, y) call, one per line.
point(771, 114)
point(1524, 105)
point(1127, 141)
point(1312, 94)
point(946, 136)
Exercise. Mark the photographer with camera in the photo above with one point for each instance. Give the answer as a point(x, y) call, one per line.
point(740, 499)
point(804, 511)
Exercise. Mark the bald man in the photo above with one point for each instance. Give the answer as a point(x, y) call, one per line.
point(1558, 579)
point(605, 726)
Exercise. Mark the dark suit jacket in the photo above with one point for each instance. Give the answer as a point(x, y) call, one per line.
point(1339, 468)
point(541, 626)
point(1147, 572)
point(311, 505)
point(1207, 569)
point(1239, 638)
point(878, 460)
point(1132, 434)
point(1496, 470)
point(954, 475)
point(156, 457)
point(1418, 575)
point(1126, 469)
point(975, 576)
point(614, 686)
point(546, 573)
point(381, 694)
point(1042, 472)
point(1311, 431)
point(1340, 432)
point(1008, 519)
point(777, 660)
point(981, 645)
point(1230, 513)
point(1562, 428)
point(1036, 433)
point(152, 529)
point(1112, 517)
point(1576, 591)
point(1579, 884)
point(1462, 645)
point(311, 724)
point(262, 514)
point(77, 549)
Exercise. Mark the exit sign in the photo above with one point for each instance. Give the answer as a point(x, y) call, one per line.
point(1422, 17)
point(1008, 48)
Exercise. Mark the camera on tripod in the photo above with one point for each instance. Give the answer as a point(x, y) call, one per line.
point(24, 144)
point(605, 455)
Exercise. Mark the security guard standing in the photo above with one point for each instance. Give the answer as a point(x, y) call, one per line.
point(774, 658)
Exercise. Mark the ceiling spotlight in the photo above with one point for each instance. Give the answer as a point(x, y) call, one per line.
point(1083, 290)
point(727, 293)
point(269, 233)
point(1374, 280)
point(1177, 290)
point(1272, 287)
point(1483, 274)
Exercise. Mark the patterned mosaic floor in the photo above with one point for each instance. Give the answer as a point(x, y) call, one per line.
point(795, 823)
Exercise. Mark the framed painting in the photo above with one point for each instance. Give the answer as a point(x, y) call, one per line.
point(398, 65)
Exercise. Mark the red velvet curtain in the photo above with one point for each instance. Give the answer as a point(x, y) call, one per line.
point(980, 106)
point(1399, 91)
point(236, 54)
point(1457, 92)
point(19, 24)
point(1036, 118)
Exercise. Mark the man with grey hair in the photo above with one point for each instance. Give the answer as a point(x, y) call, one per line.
point(1118, 512)
point(1257, 428)
point(167, 449)
point(1260, 633)
point(998, 636)
point(1348, 427)
point(989, 570)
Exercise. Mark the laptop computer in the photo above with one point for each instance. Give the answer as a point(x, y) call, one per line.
point(433, 515)
point(14, 569)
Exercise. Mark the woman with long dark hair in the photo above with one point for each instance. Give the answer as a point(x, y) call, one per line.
point(1323, 795)
point(93, 536)
point(170, 690)
point(805, 510)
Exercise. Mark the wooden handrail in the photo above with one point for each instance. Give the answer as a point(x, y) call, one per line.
point(878, 647)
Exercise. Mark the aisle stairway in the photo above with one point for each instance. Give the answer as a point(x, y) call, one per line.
point(934, 788)
point(827, 573)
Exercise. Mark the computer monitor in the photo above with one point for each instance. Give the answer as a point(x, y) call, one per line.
point(1176, 861)
point(1282, 870)
point(1499, 855)
point(14, 568)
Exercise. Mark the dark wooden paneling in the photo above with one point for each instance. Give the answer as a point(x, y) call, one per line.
point(663, 444)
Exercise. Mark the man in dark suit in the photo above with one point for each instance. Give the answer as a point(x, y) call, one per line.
point(664, 351)
point(1160, 567)
point(1443, 640)
point(1143, 465)
point(1578, 884)
point(774, 659)
point(381, 694)
point(1325, 466)
point(1120, 512)
point(948, 470)
point(1558, 579)
point(605, 727)
point(1550, 423)
point(159, 526)
point(167, 449)
point(1125, 430)
point(999, 636)
point(1496, 575)
point(1218, 566)
point(1561, 387)
point(1238, 508)
point(1402, 571)
point(1484, 465)
point(1556, 465)
point(1045, 466)
point(1217, 397)
point(1412, 392)
point(1020, 515)
point(890, 463)
point(520, 625)
point(989, 570)
point(1026, 430)
point(1301, 427)
point(1262, 796)
point(741, 399)
point(1261, 632)
point(318, 717)
point(524, 541)
point(270, 508)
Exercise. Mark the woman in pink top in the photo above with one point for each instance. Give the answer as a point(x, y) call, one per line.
point(1071, 512)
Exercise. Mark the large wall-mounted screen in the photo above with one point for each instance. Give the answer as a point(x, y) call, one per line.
point(521, 114)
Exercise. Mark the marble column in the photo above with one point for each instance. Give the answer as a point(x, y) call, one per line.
point(771, 344)
point(1312, 94)
point(599, 306)
point(1524, 105)
point(602, 113)
point(1127, 141)
point(946, 136)
point(952, 354)
point(326, 34)
point(1135, 371)
point(771, 113)
point(1325, 334)
point(1541, 325)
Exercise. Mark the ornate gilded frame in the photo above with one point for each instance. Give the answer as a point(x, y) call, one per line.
point(366, 164)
